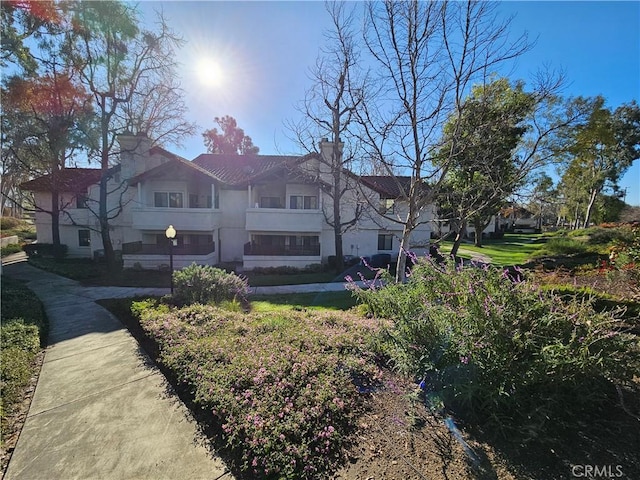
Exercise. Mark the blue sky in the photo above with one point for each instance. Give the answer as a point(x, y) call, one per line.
point(262, 51)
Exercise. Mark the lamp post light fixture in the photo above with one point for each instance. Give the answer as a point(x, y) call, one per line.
point(170, 232)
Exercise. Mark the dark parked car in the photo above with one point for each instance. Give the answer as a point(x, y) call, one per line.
point(379, 260)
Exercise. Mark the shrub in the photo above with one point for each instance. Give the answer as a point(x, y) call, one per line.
point(281, 386)
point(22, 332)
point(606, 236)
point(9, 249)
point(562, 246)
point(8, 223)
point(45, 250)
point(205, 284)
point(501, 351)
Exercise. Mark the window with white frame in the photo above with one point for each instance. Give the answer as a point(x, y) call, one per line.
point(84, 238)
point(167, 199)
point(303, 202)
point(386, 206)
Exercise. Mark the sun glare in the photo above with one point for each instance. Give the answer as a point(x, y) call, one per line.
point(209, 73)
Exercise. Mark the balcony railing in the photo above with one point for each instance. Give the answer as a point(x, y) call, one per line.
point(196, 219)
point(139, 248)
point(283, 220)
point(282, 250)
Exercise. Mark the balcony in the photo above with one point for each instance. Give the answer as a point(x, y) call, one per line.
point(193, 219)
point(283, 220)
point(139, 248)
point(282, 250)
point(152, 256)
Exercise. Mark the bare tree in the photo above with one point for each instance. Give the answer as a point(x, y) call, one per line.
point(122, 67)
point(426, 56)
point(328, 112)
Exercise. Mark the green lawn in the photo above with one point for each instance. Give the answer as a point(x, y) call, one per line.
point(513, 249)
point(297, 301)
point(92, 273)
point(265, 280)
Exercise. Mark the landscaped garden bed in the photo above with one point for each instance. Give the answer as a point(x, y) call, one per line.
point(485, 367)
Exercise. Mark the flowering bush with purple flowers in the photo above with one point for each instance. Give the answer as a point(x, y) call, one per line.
point(499, 349)
point(283, 387)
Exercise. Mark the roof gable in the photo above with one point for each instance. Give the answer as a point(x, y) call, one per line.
point(241, 169)
point(388, 186)
point(75, 180)
point(173, 161)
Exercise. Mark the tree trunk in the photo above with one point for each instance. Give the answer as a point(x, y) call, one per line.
point(479, 228)
point(592, 201)
point(337, 219)
point(55, 222)
point(459, 237)
point(103, 220)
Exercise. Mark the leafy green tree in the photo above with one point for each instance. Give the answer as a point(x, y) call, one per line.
point(598, 151)
point(23, 20)
point(230, 139)
point(425, 57)
point(543, 201)
point(483, 169)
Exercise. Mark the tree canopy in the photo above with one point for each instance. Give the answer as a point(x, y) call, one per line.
point(230, 139)
point(597, 152)
point(482, 166)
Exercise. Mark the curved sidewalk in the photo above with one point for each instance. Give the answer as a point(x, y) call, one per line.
point(101, 409)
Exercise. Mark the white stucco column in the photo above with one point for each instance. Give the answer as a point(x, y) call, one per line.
point(140, 194)
point(249, 196)
point(213, 195)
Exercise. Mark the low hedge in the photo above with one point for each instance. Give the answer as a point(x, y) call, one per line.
point(45, 250)
point(22, 334)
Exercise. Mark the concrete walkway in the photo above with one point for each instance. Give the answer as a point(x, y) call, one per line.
point(101, 409)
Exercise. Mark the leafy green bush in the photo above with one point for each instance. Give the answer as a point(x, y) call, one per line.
point(562, 246)
point(45, 250)
point(16, 334)
point(280, 386)
point(205, 284)
point(8, 223)
point(9, 249)
point(502, 351)
point(23, 331)
point(607, 236)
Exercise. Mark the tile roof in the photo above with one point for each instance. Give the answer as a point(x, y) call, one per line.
point(239, 169)
point(389, 186)
point(69, 180)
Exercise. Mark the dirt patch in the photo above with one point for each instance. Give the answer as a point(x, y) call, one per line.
point(400, 438)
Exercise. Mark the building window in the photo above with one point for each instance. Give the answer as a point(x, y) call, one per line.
point(386, 206)
point(193, 200)
point(82, 200)
point(167, 199)
point(303, 202)
point(303, 241)
point(84, 238)
point(385, 241)
point(270, 202)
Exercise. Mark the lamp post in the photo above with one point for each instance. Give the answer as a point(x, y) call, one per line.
point(170, 232)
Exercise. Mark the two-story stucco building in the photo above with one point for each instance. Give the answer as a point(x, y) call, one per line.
point(252, 210)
